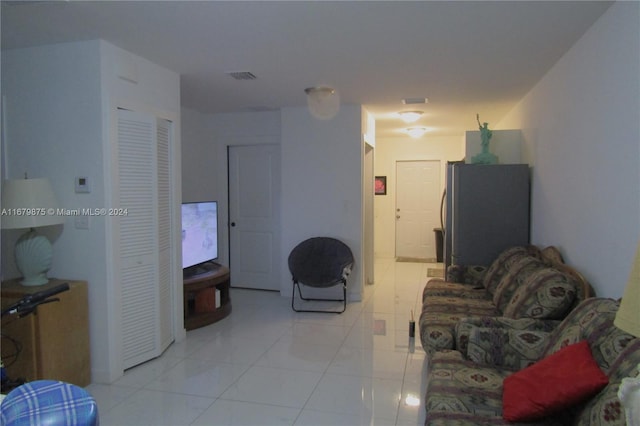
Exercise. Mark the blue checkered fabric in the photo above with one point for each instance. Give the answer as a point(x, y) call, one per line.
point(49, 402)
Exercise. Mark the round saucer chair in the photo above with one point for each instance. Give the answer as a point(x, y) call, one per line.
point(50, 403)
point(320, 262)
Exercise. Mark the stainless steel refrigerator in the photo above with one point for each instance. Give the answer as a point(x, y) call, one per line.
point(485, 210)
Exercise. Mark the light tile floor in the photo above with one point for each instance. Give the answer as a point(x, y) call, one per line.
point(267, 365)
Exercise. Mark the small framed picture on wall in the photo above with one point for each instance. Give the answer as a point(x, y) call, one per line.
point(380, 185)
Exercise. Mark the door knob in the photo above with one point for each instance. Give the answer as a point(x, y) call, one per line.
point(233, 224)
point(397, 216)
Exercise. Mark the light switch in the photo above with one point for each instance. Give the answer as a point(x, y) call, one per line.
point(82, 185)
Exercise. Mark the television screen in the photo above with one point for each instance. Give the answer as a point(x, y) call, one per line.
point(199, 232)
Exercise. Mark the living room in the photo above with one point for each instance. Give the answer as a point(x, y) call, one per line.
point(580, 132)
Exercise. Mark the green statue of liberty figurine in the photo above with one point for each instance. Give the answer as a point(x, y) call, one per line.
point(485, 157)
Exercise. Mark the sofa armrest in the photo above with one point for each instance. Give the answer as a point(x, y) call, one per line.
point(505, 342)
point(470, 274)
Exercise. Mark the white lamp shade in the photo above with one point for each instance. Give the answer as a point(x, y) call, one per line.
point(29, 203)
point(628, 316)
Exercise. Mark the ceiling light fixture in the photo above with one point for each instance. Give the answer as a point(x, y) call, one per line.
point(410, 116)
point(416, 132)
point(323, 101)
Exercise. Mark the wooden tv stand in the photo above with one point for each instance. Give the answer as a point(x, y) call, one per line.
point(199, 296)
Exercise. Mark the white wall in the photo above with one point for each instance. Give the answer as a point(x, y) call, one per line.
point(322, 184)
point(53, 114)
point(199, 157)
point(387, 152)
point(581, 127)
point(58, 102)
point(54, 127)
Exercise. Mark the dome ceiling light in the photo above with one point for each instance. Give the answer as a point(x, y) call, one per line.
point(323, 101)
point(416, 132)
point(410, 116)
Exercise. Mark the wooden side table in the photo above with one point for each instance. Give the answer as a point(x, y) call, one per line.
point(199, 297)
point(54, 339)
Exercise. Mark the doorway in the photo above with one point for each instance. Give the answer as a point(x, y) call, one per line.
point(254, 216)
point(417, 208)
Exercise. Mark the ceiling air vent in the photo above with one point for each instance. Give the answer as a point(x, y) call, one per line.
point(412, 101)
point(242, 75)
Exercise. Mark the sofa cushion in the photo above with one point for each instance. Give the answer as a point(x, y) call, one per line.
point(561, 380)
point(459, 379)
point(517, 274)
point(605, 408)
point(472, 275)
point(589, 320)
point(466, 326)
point(437, 287)
point(546, 293)
point(441, 314)
point(503, 263)
point(616, 352)
point(500, 347)
point(460, 392)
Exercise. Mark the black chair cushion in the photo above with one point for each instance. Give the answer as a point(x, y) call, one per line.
point(320, 262)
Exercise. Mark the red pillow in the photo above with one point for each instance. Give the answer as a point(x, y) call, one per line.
point(562, 379)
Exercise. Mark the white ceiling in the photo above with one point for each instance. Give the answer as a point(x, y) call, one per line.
point(465, 57)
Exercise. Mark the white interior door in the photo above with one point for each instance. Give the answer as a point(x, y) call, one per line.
point(417, 208)
point(254, 216)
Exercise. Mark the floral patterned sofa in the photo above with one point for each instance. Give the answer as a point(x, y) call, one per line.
point(523, 282)
point(492, 379)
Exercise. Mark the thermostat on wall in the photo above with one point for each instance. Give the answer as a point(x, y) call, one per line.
point(82, 184)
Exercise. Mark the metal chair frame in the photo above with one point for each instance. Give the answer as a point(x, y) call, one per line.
point(343, 300)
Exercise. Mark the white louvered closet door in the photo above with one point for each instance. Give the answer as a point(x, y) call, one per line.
point(144, 236)
point(164, 232)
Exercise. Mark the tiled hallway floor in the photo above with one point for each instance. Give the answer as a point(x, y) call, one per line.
point(267, 365)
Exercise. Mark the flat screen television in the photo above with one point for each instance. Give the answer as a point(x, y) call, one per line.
point(199, 235)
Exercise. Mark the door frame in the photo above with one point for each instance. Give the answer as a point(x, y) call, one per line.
point(222, 179)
